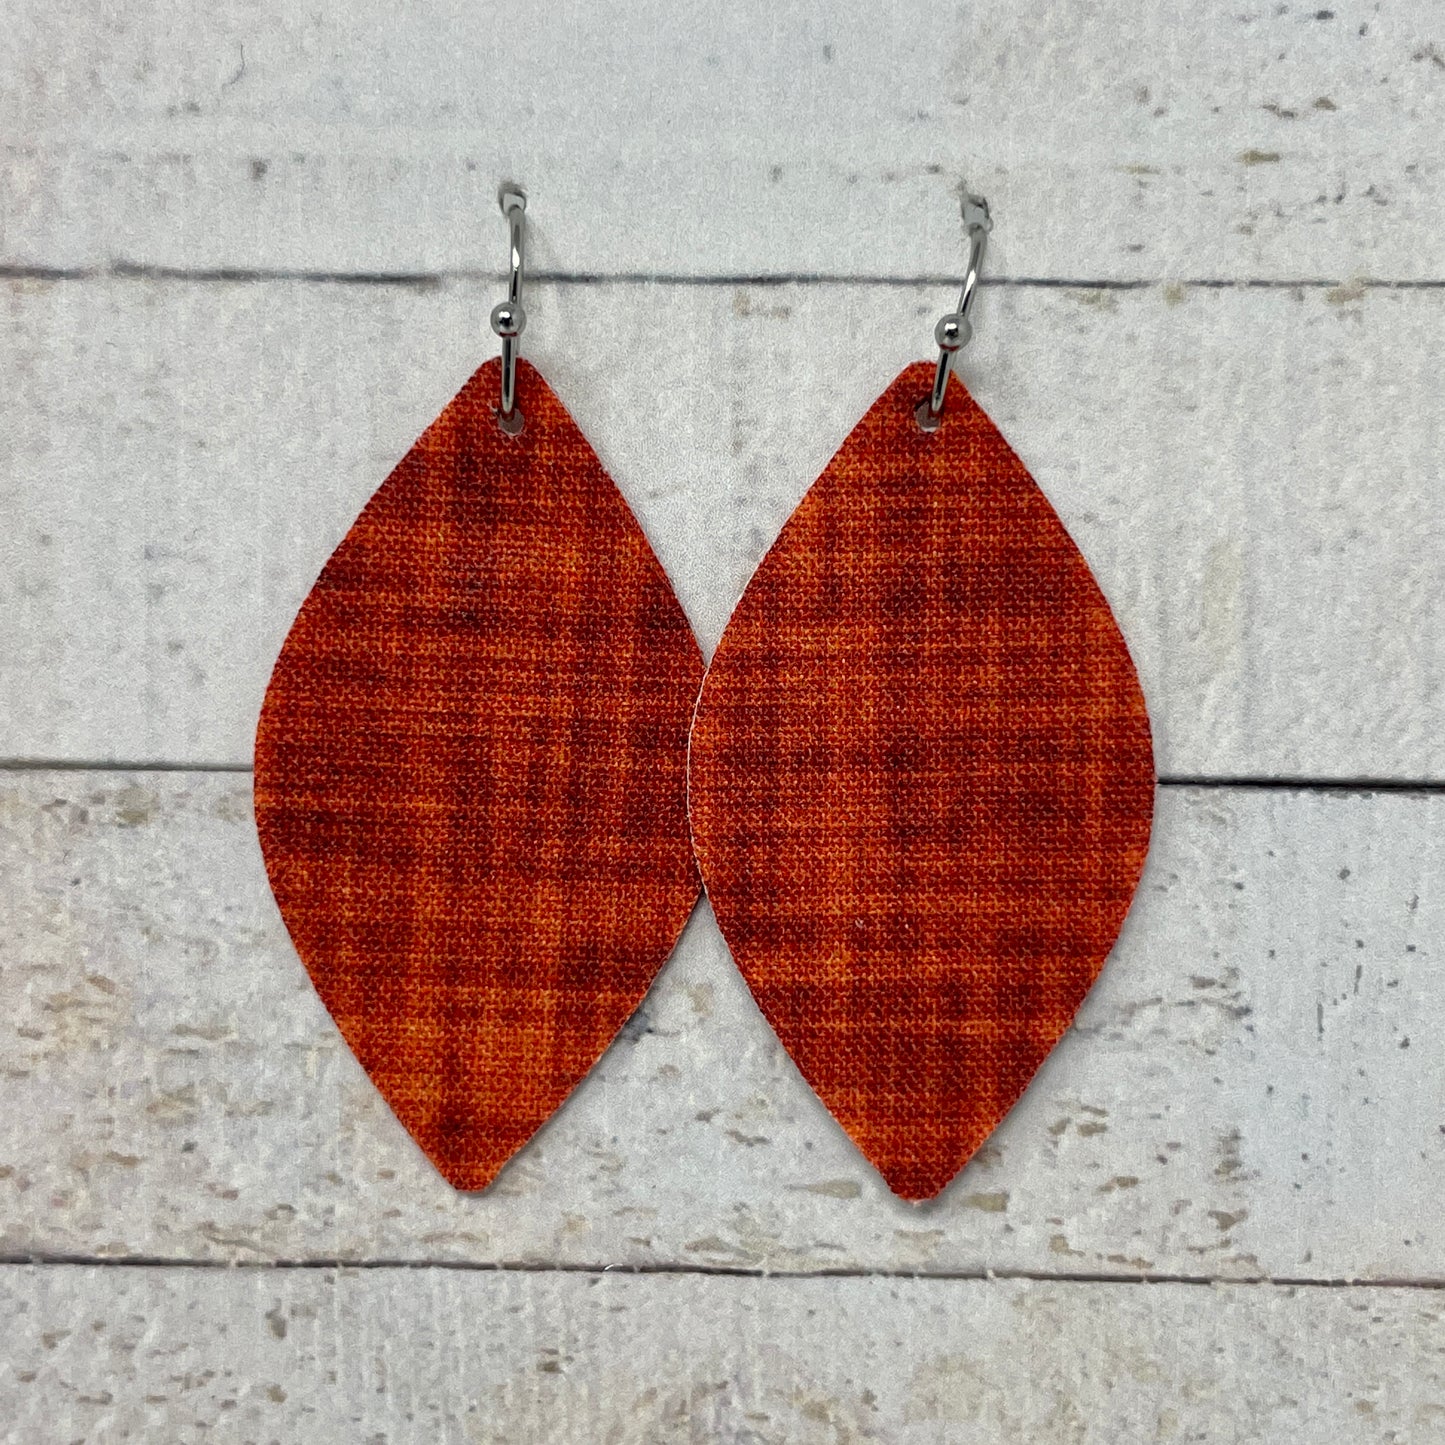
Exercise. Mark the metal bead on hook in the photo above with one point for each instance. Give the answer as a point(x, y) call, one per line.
point(509, 317)
point(954, 331)
point(508, 320)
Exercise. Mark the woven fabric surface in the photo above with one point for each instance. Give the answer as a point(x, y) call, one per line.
point(471, 776)
point(921, 784)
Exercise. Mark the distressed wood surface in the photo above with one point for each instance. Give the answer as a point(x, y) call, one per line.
point(1250, 472)
point(1252, 467)
point(1252, 1089)
point(497, 1358)
point(1116, 141)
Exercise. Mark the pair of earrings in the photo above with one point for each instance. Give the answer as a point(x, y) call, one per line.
point(916, 779)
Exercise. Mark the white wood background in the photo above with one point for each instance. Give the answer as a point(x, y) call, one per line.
point(248, 251)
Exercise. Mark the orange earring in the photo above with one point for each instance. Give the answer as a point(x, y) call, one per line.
point(471, 767)
point(921, 780)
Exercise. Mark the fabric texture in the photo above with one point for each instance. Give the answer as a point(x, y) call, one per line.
point(471, 776)
point(921, 784)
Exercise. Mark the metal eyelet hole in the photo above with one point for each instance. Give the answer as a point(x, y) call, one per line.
point(924, 416)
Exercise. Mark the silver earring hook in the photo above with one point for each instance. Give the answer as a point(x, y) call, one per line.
point(955, 331)
point(509, 317)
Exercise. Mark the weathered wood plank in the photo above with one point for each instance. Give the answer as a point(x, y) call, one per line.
point(182, 459)
point(1211, 140)
point(1251, 1089)
point(402, 1355)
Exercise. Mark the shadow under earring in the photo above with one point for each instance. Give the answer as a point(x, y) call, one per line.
point(921, 778)
point(471, 767)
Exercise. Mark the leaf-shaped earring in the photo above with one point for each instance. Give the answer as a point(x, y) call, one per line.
point(471, 767)
point(921, 780)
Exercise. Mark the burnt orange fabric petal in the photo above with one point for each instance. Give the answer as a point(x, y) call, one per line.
point(471, 776)
point(921, 784)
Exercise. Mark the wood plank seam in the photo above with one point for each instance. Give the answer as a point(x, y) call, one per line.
point(1304, 784)
point(227, 275)
point(708, 1271)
